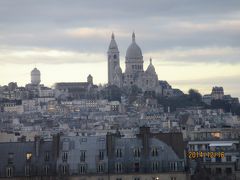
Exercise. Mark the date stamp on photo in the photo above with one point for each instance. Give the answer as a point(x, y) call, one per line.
point(204, 154)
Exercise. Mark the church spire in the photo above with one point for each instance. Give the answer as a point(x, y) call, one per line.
point(133, 37)
point(113, 44)
point(113, 37)
point(150, 60)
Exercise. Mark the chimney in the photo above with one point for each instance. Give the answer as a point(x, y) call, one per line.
point(144, 135)
point(37, 143)
point(56, 145)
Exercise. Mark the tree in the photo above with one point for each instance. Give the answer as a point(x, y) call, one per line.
point(194, 96)
point(112, 93)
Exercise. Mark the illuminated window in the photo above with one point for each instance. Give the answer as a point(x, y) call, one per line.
point(28, 156)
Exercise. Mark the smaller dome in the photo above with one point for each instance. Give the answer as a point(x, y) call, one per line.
point(151, 68)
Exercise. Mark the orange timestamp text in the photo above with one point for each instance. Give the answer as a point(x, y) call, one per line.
point(202, 154)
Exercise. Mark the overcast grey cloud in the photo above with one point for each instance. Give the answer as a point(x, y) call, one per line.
point(159, 24)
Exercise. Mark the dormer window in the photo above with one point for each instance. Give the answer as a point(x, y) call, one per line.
point(137, 152)
point(154, 152)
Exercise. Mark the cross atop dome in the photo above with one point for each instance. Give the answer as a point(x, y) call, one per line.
point(133, 37)
point(150, 60)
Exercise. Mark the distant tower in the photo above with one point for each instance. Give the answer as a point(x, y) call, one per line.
point(35, 76)
point(113, 59)
point(90, 79)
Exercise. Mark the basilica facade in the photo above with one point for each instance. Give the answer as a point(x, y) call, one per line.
point(134, 73)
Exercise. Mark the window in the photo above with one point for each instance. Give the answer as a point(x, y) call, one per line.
point(84, 139)
point(207, 159)
point(27, 170)
point(136, 178)
point(46, 157)
point(154, 152)
point(118, 178)
point(65, 145)
point(10, 158)
point(65, 156)
point(173, 166)
point(136, 152)
point(9, 171)
point(118, 167)
point(82, 168)
point(101, 154)
point(218, 159)
point(218, 171)
point(100, 168)
point(119, 153)
point(155, 166)
point(228, 158)
point(173, 178)
point(115, 56)
point(64, 169)
point(101, 139)
point(136, 167)
point(28, 156)
point(82, 156)
point(46, 170)
point(229, 170)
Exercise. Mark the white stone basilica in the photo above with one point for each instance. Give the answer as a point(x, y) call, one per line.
point(134, 73)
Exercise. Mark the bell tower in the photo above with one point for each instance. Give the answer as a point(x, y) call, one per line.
point(113, 59)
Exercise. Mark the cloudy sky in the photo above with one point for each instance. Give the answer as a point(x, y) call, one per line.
point(193, 43)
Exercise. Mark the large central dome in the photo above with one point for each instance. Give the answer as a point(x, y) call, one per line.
point(134, 52)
